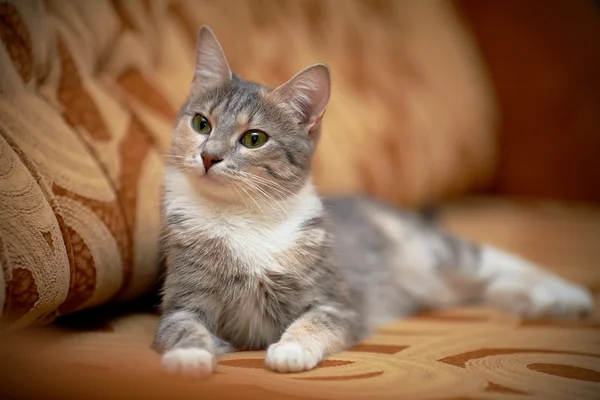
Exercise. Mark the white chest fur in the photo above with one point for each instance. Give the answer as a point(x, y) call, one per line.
point(254, 236)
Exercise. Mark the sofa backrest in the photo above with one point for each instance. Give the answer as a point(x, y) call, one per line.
point(89, 91)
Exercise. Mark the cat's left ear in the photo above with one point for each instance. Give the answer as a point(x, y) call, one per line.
point(306, 94)
point(212, 68)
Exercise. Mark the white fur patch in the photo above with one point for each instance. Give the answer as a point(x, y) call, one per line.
point(524, 289)
point(189, 362)
point(254, 237)
point(293, 357)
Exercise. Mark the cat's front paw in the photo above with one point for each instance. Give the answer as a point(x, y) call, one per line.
point(544, 296)
point(196, 363)
point(293, 357)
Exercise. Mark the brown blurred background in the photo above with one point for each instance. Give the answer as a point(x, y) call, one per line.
point(430, 100)
point(544, 62)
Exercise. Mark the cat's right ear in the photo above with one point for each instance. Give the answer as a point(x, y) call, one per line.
point(306, 94)
point(212, 68)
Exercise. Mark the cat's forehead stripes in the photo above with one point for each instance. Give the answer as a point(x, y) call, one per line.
point(238, 100)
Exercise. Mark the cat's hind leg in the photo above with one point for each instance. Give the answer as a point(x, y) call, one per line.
point(519, 286)
point(438, 269)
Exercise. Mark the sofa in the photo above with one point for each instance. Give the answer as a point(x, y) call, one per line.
point(424, 112)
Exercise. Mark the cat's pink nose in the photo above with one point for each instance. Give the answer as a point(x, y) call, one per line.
point(209, 160)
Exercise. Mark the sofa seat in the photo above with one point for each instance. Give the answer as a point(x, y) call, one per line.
point(456, 353)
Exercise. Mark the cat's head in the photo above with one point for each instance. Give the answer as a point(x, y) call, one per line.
point(237, 138)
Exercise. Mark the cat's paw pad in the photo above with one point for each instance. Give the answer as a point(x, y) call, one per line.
point(196, 363)
point(292, 357)
point(545, 297)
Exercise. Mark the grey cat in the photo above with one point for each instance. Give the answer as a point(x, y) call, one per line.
point(255, 259)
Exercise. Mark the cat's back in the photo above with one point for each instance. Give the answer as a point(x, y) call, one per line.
point(368, 236)
point(369, 221)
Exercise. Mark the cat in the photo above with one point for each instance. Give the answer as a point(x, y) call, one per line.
point(257, 260)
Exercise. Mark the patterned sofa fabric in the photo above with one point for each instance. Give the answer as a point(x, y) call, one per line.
point(81, 170)
point(89, 91)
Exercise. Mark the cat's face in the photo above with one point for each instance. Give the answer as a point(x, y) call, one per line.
point(238, 139)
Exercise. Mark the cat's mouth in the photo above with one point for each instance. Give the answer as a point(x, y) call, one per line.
point(213, 177)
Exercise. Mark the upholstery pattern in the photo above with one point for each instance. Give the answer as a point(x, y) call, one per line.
point(89, 91)
point(455, 354)
point(85, 164)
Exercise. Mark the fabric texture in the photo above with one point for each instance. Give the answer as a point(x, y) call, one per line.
point(89, 91)
point(458, 353)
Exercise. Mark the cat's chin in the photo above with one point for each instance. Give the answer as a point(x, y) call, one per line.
point(207, 178)
point(214, 187)
point(213, 179)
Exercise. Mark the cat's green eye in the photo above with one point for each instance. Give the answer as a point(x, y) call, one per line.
point(254, 139)
point(201, 124)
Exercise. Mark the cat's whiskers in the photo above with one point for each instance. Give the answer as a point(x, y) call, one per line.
point(172, 157)
point(273, 185)
point(263, 195)
point(251, 197)
point(266, 194)
point(255, 187)
point(175, 160)
point(236, 187)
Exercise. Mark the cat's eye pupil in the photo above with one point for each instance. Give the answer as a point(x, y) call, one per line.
point(254, 139)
